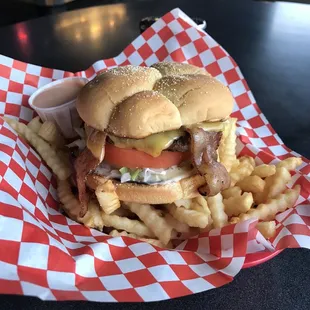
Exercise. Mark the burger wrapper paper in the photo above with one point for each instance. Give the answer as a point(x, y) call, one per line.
point(45, 254)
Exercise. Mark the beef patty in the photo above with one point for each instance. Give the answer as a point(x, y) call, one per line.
point(180, 145)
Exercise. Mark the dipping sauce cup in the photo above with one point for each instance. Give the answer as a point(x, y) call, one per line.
point(56, 102)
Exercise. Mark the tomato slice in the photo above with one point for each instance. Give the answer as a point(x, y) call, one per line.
point(131, 158)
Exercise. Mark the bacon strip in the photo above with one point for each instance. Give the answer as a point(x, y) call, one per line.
point(203, 149)
point(84, 164)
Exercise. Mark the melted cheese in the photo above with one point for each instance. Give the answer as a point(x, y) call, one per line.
point(95, 141)
point(153, 144)
point(214, 126)
point(156, 143)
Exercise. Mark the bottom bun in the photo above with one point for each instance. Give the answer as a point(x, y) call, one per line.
point(152, 194)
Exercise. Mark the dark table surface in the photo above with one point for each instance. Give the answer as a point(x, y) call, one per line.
point(271, 44)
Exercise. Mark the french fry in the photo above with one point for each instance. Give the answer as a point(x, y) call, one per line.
point(277, 182)
point(264, 171)
point(252, 184)
point(259, 197)
point(107, 197)
point(186, 203)
point(59, 167)
point(196, 207)
point(108, 202)
point(200, 204)
point(181, 230)
point(274, 185)
point(210, 224)
point(231, 192)
point(177, 226)
point(49, 132)
point(239, 204)
point(217, 209)
point(247, 159)
point(235, 164)
point(35, 124)
point(267, 229)
point(159, 212)
point(155, 242)
point(192, 218)
point(123, 212)
point(290, 163)
point(72, 207)
point(64, 156)
point(193, 231)
point(267, 211)
point(92, 218)
point(244, 169)
point(200, 200)
point(227, 147)
point(123, 223)
point(155, 222)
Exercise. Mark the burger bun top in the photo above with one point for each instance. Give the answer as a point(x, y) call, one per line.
point(135, 102)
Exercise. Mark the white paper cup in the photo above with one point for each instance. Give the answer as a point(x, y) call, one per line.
point(65, 116)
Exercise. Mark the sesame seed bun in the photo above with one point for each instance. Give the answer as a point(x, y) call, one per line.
point(99, 97)
point(135, 102)
point(175, 68)
point(198, 97)
point(144, 113)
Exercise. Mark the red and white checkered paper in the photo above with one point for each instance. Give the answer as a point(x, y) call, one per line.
point(45, 254)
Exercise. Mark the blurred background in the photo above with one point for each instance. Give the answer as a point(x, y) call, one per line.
point(14, 11)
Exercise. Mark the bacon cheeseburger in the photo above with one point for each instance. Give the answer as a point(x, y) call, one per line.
point(153, 135)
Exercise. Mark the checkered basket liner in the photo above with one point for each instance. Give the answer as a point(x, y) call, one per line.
point(45, 254)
